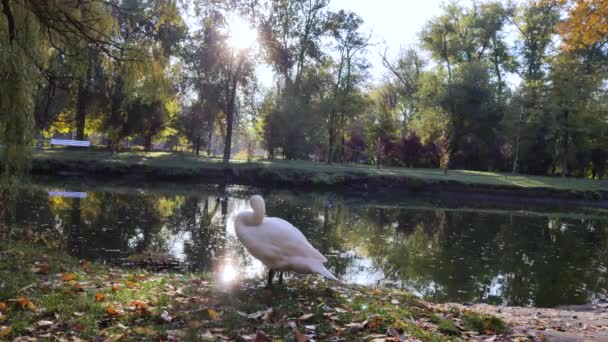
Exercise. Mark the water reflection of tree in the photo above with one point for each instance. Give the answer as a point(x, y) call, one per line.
point(464, 256)
point(448, 255)
point(204, 217)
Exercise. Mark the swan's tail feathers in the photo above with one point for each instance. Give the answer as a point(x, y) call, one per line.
point(324, 272)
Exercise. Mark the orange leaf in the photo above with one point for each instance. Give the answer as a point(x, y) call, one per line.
point(99, 297)
point(138, 304)
point(3, 307)
point(85, 264)
point(69, 277)
point(115, 287)
point(40, 268)
point(25, 303)
point(112, 312)
point(299, 336)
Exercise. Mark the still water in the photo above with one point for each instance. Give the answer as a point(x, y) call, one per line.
point(464, 252)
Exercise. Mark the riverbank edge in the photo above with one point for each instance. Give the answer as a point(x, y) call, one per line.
point(351, 181)
point(51, 295)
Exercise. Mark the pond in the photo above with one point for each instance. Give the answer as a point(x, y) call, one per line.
point(442, 250)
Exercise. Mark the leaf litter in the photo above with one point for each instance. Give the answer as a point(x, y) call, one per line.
point(95, 302)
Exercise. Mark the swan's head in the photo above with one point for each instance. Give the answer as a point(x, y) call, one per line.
point(257, 204)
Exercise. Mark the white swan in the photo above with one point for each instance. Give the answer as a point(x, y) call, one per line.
point(277, 243)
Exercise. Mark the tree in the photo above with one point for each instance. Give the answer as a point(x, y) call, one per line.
point(586, 24)
point(407, 72)
point(344, 27)
point(535, 23)
point(31, 33)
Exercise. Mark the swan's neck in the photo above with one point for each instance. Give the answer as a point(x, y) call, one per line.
point(251, 218)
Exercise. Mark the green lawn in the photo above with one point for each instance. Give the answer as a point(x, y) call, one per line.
point(323, 172)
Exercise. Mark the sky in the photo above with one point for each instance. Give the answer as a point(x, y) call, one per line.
point(394, 24)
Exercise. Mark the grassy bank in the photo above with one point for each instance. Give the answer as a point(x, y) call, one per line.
point(165, 165)
point(46, 294)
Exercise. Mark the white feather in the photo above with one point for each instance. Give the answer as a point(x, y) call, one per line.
point(277, 243)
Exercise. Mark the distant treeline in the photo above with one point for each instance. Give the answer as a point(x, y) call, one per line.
point(490, 85)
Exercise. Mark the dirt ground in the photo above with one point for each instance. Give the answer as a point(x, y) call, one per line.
point(568, 323)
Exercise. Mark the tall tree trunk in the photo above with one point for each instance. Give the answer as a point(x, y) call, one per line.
point(83, 97)
point(517, 139)
point(230, 110)
point(565, 146)
point(147, 142)
point(331, 131)
point(198, 145)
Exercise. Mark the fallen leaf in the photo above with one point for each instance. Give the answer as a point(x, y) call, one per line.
point(5, 331)
point(114, 338)
point(85, 264)
point(69, 277)
point(305, 316)
point(3, 307)
point(165, 316)
point(25, 303)
point(195, 324)
point(44, 323)
point(263, 314)
point(41, 268)
point(376, 292)
point(259, 336)
point(356, 327)
point(115, 288)
point(145, 331)
point(113, 312)
point(177, 333)
point(138, 304)
point(100, 297)
point(299, 336)
point(131, 284)
point(213, 315)
point(490, 339)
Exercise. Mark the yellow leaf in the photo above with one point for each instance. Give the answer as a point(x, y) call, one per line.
point(69, 277)
point(214, 315)
point(131, 284)
point(5, 331)
point(145, 331)
point(376, 292)
point(100, 297)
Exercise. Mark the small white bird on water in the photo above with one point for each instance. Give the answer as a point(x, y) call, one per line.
point(277, 243)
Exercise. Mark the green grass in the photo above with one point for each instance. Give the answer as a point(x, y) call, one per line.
point(177, 163)
point(141, 305)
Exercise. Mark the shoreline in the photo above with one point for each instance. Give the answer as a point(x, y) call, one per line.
point(318, 177)
point(56, 296)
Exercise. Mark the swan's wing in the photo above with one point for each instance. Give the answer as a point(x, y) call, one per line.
point(288, 239)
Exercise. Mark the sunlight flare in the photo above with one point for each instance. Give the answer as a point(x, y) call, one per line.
point(242, 35)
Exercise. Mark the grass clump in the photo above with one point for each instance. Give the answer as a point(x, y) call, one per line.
point(483, 323)
point(445, 325)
